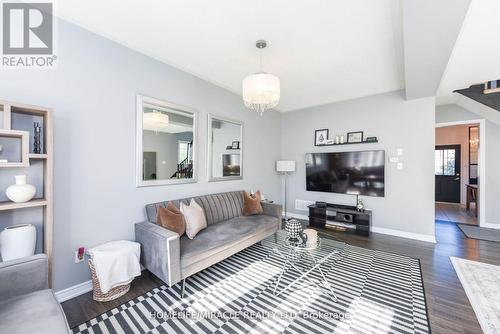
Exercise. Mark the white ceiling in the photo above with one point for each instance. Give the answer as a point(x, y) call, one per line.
point(476, 55)
point(323, 50)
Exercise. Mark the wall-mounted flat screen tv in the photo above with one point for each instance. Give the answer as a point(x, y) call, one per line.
point(356, 173)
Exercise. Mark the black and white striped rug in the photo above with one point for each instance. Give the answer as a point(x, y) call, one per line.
point(377, 292)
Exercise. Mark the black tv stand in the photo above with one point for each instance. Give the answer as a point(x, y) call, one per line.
point(340, 215)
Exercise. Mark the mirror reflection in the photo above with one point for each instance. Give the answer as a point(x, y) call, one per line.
point(225, 149)
point(167, 144)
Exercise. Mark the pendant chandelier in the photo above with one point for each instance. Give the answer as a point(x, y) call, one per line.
point(155, 121)
point(261, 91)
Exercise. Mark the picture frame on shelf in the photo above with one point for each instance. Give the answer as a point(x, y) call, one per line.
point(355, 137)
point(320, 137)
point(235, 145)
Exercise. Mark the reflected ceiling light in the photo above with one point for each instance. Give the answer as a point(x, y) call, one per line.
point(155, 120)
point(261, 91)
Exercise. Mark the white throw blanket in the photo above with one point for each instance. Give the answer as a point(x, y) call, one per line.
point(116, 263)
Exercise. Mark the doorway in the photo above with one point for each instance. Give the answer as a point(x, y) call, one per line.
point(447, 173)
point(456, 172)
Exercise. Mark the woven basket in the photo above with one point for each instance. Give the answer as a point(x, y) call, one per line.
point(112, 294)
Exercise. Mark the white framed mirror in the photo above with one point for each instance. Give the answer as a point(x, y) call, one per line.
point(225, 149)
point(165, 143)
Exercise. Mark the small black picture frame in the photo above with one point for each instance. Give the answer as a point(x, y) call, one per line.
point(355, 137)
point(235, 145)
point(320, 137)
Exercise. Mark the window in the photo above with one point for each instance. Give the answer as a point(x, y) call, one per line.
point(183, 151)
point(444, 162)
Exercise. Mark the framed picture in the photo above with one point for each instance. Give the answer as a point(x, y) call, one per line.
point(320, 137)
point(236, 145)
point(355, 137)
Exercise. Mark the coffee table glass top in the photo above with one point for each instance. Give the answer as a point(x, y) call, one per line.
point(324, 243)
point(310, 261)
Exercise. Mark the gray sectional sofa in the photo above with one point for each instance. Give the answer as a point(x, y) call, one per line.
point(173, 258)
point(27, 305)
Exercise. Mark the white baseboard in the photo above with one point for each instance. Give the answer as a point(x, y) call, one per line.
point(403, 234)
point(296, 215)
point(73, 291)
point(497, 226)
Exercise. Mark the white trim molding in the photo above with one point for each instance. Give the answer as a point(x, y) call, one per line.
point(487, 225)
point(73, 291)
point(403, 234)
point(296, 216)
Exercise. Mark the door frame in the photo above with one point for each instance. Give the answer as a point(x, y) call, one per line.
point(482, 165)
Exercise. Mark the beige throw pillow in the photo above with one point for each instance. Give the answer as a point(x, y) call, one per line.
point(194, 217)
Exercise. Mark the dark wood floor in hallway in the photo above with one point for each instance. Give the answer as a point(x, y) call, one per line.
point(449, 309)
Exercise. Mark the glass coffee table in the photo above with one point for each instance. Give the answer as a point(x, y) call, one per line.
point(305, 258)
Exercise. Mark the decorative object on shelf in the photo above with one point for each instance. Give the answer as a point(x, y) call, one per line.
point(360, 206)
point(37, 148)
point(17, 241)
point(229, 147)
point(235, 145)
point(355, 137)
point(285, 167)
point(371, 139)
point(21, 191)
point(320, 137)
point(330, 142)
point(491, 87)
point(295, 231)
point(261, 90)
point(337, 140)
point(342, 139)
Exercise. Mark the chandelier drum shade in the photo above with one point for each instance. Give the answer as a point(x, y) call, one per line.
point(261, 91)
point(155, 120)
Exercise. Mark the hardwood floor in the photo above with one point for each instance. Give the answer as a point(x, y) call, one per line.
point(452, 212)
point(449, 309)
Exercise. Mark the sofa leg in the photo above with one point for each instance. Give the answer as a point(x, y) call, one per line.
point(183, 287)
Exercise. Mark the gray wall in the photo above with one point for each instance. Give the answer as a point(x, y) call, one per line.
point(453, 113)
point(93, 93)
point(408, 204)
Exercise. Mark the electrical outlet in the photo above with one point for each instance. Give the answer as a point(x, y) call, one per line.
point(80, 255)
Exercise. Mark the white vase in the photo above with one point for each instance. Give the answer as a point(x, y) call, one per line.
point(17, 241)
point(20, 192)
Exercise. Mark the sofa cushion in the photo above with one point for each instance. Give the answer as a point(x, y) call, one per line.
point(171, 218)
point(251, 204)
point(36, 312)
point(217, 207)
point(223, 235)
point(195, 218)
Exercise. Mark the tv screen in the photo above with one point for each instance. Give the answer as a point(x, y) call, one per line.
point(356, 173)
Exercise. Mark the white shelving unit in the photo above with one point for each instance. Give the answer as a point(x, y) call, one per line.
point(7, 129)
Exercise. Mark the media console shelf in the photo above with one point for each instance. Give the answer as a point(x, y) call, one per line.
point(340, 215)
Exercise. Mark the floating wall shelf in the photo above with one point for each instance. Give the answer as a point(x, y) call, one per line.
point(22, 136)
point(363, 142)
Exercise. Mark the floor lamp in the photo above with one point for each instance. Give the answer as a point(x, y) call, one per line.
point(285, 167)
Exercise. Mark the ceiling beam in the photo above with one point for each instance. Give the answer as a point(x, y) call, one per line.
point(430, 30)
